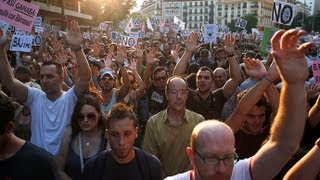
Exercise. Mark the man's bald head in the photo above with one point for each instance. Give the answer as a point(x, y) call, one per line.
point(210, 132)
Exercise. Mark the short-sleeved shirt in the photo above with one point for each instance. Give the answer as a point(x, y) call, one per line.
point(241, 171)
point(157, 100)
point(169, 143)
point(210, 108)
point(29, 162)
point(49, 118)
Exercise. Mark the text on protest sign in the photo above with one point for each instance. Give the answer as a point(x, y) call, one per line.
point(18, 13)
point(104, 26)
point(36, 41)
point(21, 43)
point(240, 23)
point(129, 41)
point(283, 13)
point(316, 71)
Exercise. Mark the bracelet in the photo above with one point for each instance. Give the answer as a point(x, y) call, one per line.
point(77, 49)
point(267, 78)
point(230, 55)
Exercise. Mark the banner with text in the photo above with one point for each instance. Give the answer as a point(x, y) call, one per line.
point(18, 13)
point(21, 43)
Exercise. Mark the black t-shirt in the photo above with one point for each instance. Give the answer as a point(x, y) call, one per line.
point(157, 100)
point(144, 166)
point(210, 108)
point(118, 171)
point(30, 162)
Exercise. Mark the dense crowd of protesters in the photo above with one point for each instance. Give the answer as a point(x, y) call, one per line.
point(169, 107)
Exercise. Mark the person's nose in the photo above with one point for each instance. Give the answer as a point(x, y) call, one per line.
point(221, 167)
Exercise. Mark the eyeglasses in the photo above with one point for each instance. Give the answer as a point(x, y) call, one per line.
point(90, 116)
point(176, 92)
point(163, 78)
point(228, 160)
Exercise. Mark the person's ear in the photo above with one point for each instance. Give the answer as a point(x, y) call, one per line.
point(190, 154)
point(9, 127)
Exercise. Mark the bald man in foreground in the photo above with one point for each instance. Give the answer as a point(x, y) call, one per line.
point(212, 153)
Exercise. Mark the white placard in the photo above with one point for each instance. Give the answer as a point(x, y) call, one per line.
point(240, 23)
point(129, 41)
point(4, 25)
point(283, 13)
point(38, 29)
point(210, 33)
point(38, 21)
point(21, 43)
point(36, 40)
point(104, 26)
point(86, 35)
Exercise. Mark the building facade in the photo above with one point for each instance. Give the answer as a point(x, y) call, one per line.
point(196, 13)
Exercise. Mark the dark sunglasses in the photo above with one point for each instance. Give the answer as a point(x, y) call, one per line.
point(90, 116)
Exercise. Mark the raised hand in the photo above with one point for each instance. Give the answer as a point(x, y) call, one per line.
point(192, 41)
point(3, 39)
point(312, 91)
point(229, 45)
point(133, 65)
point(74, 36)
point(150, 56)
point(290, 60)
point(121, 55)
point(254, 68)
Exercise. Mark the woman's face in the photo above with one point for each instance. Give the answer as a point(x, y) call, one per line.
point(88, 118)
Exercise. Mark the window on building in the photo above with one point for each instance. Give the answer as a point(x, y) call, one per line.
point(244, 5)
point(196, 18)
point(201, 19)
point(206, 18)
point(196, 4)
point(195, 25)
point(201, 3)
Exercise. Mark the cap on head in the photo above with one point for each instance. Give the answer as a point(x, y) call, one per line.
point(107, 71)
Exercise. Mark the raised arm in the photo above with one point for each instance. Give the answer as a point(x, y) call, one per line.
point(17, 88)
point(234, 69)
point(191, 47)
point(255, 69)
point(125, 87)
point(74, 39)
point(314, 113)
point(288, 125)
point(138, 93)
point(306, 168)
point(149, 62)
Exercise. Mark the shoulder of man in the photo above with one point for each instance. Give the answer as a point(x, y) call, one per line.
point(194, 116)
point(150, 164)
point(95, 166)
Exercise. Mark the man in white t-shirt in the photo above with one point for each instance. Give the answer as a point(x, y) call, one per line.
point(51, 107)
point(212, 153)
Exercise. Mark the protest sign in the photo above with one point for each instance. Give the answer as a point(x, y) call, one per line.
point(104, 26)
point(21, 43)
point(4, 25)
point(38, 21)
point(316, 71)
point(36, 41)
point(267, 35)
point(86, 35)
point(283, 13)
point(210, 33)
point(129, 41)
point(18, 13)
point(240, 23)
point(38, 29)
